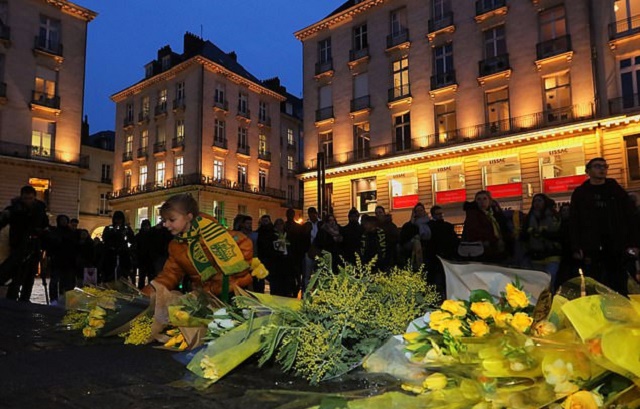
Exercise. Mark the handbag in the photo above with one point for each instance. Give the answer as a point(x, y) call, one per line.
point(470, 249)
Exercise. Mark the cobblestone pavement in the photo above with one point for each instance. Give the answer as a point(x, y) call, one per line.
point(44, 366)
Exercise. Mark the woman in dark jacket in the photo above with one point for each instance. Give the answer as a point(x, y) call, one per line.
point(485, 222)
point(330, 240)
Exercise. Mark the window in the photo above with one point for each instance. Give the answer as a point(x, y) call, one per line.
point(242, 175)
point(104, 204)
point(166, 62)
point(128, 143)
point(562, 168)
point(180, 91)
point(361, 86)
point(142, 180)
point(45, 86)
point(105, 174)
point(219, 131)
point(161, 134)
point(443, 58)
point(362, 140)
point(262, 144)
point(219, 93)
point(449, 184)
point(218, 212)
point(262, 180)
point(401, 77)
point(403, 189)
point(144, 139)
point(402, 127)
point(325, 99)
point(630, 81)
point(324, 50)
point(49, 34)
point(148, 70)
point(129, 112)
point(127, 179)
point(326, 145)
point(501, 176)
point(242, 137)
point(494, 42)
point(552, 24)
point(633, 158)
point(497, 110)
point(142, 214)
point(180, 129)
point(290, 140)
point(160, 173)
point(218, 169)
point(626, 12)
point(162, 99)
point(43, 134)
point(290, 193)
point(288, 108)
point(178, 167)
point(146, 106)
point(243, 103)
point(441, 9)
point(290, 163)
point(364, 195)
point(263, 111)
point(398, 22)
point(445, 121)
point(360, 38)
point(557, 97)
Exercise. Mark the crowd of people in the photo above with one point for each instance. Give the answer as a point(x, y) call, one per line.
point(598, 232)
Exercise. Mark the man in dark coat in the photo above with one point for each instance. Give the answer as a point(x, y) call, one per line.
point(351, 236)
point(118, 239)
point(443, 243)
point(28, 219)
point(602, 237)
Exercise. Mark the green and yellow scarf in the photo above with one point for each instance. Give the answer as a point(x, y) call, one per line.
point(206, 237)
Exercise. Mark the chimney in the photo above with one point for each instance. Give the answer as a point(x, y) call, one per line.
point(233, 56)
point(192, 44)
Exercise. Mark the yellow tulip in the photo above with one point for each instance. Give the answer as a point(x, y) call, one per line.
point(435, 382)
point(411, 336)
point(479, 328)
point(98, 313)
point(483, 309)
point(516, 298)
point(521, 322)
point(456, 308)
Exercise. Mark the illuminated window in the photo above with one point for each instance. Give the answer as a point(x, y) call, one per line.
point(180, 129)
point(262, 180)
point(403, 189)
point(561, 168)
point(497, 110)
point(144, 139)
point(557, 95)
point(127, 179)
point(290, 139)
point(364, 195)
point(633, 156)
point(128, 143)
point(262, 144)
point(289, 162)
point(42, 136)
point(178, 167)
point(446, 121)
point(160, 166)
point(362, 140)
point(448, 184)
point(242, 175)
point(502, 176)
point(402, 127)
point(218, 169)
point(218, 212)
point(162, 98)
point(400, 78)
point(45, 86)
point(326, 145)
point(143, 175)
point(146, 106)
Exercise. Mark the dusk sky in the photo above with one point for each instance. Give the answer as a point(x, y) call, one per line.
point(127, 34)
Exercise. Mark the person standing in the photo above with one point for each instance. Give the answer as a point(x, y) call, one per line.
point(62, 247)
point(392, 234)
point(266, 252)
point(118, 238)
point(602, 236)
point(296, 247)
point(27, 218)
point(373, 243)
point(144, 260)
point(485, 222)
point(414, 237)
point(443, 243)
point(282, 280)
point(330, 240)
point(309, 233)
point(87, 273)
point(352, 236)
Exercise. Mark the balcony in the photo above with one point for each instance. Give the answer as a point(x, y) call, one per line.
point(488, 6)
point(553, 47)
point(624, 28)
point(324, 114)
point(243, 150)
point(127, 156)
point(398, 40)
point(179, 104)
point(443, 79)
point(127, 122)
point(264, 121)
point(5, 33)
point(291, 146)
point(244, 114)
point(220, 143)
point(264, 155)
point(46, 46)
point(160, 109)
point(356, 55)
point(143, 117)
point(399, 93)
point(361, 104)
point(159, 148)
point(50, 102)
point(493, 65)
point(42, 154)
point(624, 104)
point(440, 24)
point(221, 105)
point(177, 143)
point(143, 153)
point(324, 68)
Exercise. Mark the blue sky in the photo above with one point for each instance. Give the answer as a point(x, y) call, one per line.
point(127, 34)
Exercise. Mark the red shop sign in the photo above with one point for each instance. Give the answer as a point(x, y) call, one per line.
point(451, 196)
point(563, 184)
point(505, 190)
point(405, 202)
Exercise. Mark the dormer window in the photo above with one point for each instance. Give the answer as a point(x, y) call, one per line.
point(166, 62)
point(148, 70)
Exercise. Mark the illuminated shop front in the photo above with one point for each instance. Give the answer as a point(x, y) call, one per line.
point(403, 188)
point(448, 184)
point(562, 168)
point(502, 176)
point(364, 194)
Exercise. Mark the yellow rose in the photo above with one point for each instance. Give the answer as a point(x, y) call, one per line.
point(89, 332)
point(437, 318)
point(97, 312)
point(479, 328)
point(583, 400)
point(516, 298)
point(435, 382)
point(181, 315)
point(454, 326)
point(411, 336)
point(454, 307)
point(502, 319)
point(96, 323)
point(521, 322)
point(544, 328)
point(483, 309)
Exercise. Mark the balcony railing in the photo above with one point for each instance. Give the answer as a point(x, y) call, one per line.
point(48, 46)
point(143, 116)
point(324, 66)
point(360, 103)
point(105, 180)
point(398, 38)
point(244, 113)
point(445, 21)
point(527, 123)
point(396, 93)
point(42, 99)
point(159, 147)
point(493, 65)
point(624, 28)
point(264, 155)
point(127, 156)
point(485, 6)
point(443, 79)
point(143, 152)
point(553, 47)
point(244, 150)
point(177, 142)
point(5, 32)
point(624, 104)
point(291, 146)
point(223, 105)
point(220, 143)
point(179, 103)
point(16, 150)
point(324, 113)
point(160, 109)
point(358, 54)
point(265, 120)
point(128, 121)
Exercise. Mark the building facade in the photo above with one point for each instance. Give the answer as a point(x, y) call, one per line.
point(42, 68)
point(200, 123)
point(430, 101)
point(96, 184)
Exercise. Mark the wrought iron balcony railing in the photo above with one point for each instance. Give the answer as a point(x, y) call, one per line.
point(493, 65)
point(553, 47)
point(39, 153)
point(438, 24)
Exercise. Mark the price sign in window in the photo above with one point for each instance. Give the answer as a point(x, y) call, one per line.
point(449, 184)
point(561, 169)
point(501, 176)
point(403, 188)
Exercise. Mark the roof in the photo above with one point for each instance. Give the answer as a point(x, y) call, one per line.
point(345, 12)
point(215, 54)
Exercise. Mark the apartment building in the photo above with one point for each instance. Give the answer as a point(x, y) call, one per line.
point(96, 184)
point(199, 122)
point(42, 68)
point(413, 101)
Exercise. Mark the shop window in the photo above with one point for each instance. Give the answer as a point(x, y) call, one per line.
point(449, 184)
point(633, 158)
point(143, 214)
point(403, 188)
point(364, 195)
point(502, 176)
point(561, 168)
